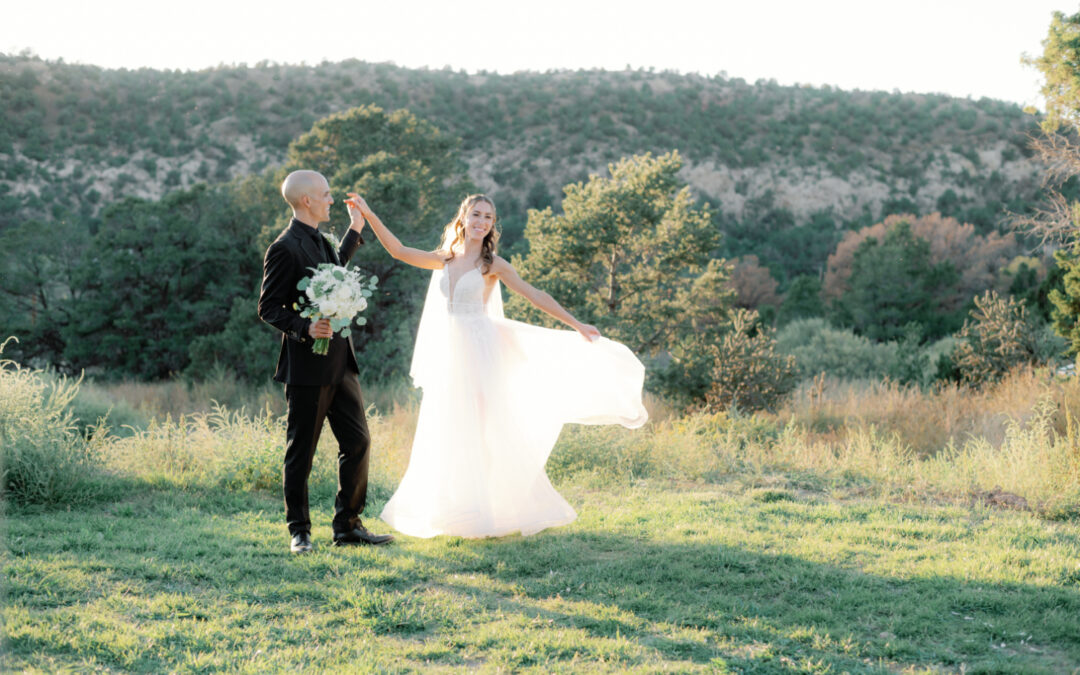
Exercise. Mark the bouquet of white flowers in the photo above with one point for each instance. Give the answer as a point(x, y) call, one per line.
point(336, 293)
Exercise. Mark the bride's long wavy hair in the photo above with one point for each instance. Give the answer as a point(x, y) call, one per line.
point(453, 239)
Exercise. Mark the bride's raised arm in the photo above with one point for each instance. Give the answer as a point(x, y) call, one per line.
point(540, 299)
point(406, 254)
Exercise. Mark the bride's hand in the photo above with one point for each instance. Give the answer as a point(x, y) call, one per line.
point(357, 202)
point(590, 333)
point(356, 213)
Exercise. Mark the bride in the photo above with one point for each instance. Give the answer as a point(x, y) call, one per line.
point(496, 392)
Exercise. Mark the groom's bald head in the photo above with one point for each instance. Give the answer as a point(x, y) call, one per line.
point(308, 194)
point(299, 184)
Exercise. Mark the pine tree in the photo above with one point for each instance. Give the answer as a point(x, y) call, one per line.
point(1066, 300)
point(802, 300)
point(998, 337)
point(633, 254)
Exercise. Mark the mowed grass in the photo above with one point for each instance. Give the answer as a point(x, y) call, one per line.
point(736, 576)
point(871, 529)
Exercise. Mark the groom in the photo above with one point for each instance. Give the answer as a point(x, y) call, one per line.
point(317, 388)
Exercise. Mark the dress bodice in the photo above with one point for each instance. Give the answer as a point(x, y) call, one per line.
point(467, 292)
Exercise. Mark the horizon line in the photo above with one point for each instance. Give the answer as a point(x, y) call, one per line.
point(29, 54)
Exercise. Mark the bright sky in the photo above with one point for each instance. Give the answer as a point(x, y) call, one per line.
point(959, 47)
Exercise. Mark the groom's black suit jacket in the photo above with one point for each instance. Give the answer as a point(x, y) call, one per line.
point(298, 248)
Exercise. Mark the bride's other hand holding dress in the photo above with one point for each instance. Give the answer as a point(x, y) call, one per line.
point(496, 392)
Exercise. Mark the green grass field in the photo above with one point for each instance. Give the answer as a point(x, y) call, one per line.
point(814, 540)
point(653, 577)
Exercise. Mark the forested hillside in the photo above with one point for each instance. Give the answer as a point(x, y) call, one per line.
point(73, 137)
point(105, 224)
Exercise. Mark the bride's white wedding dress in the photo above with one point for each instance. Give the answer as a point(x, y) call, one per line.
point(496, 393)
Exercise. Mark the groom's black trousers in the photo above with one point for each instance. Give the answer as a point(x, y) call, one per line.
point(343, 406)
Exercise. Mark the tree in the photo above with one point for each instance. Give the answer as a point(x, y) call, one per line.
point(893, 283)
point(1060, 66)
point(978, 259)
point(786, 248)
point(245, 345)
point(1066, 300)
point(632, 254)
point(410, 173)
point(156, 276)
point(752, 284)
point(1057, 220)
point(802, 300)
point(36, 266)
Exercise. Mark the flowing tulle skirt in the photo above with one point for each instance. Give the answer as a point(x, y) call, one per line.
point(488, 423)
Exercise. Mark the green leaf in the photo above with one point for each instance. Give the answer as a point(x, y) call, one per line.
point(345, 332)
point(303, 284)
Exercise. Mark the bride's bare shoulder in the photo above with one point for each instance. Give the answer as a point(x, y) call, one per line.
point(500, 265)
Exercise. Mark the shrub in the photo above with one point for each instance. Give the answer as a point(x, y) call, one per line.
point(912, 362)
point(43, 459)
point(245, 346)
point(747, 371)
point(819, 348)
point(998, 337)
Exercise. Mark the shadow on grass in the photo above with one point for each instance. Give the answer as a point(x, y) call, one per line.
point(762, 612)
point(686, 605)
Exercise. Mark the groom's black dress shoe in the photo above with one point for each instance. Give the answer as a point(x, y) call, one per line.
point(361, 535)
point(301, 543)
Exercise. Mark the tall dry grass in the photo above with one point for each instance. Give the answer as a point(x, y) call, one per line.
point(179, 397)
point(1034, 466)
point(234, 450)
point(927, 421)
point(43, 457)
point(1020, 436)
point(144, 401)
point(1019, 439)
